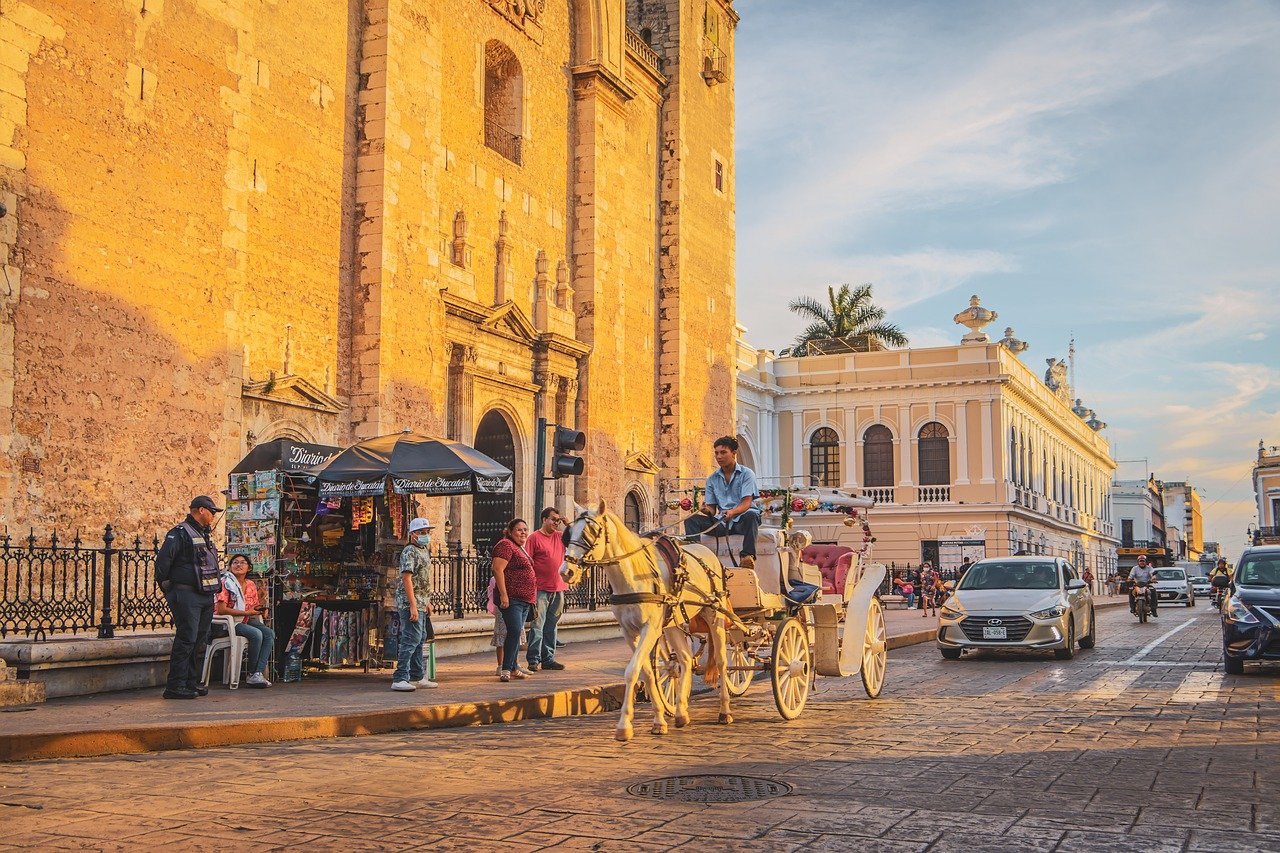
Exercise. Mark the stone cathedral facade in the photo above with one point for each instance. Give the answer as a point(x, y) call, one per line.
point(230, 221)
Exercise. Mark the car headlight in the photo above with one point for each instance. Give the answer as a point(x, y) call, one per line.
point(951, 611)
point(1049, 612)
point(1237, 612)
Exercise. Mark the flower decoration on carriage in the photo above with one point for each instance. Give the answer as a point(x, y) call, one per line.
point(686, 504)
point(797, 504)
point(810, 505)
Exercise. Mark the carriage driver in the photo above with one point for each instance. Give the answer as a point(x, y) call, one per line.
point(727, 503)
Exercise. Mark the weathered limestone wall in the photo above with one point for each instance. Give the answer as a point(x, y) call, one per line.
point(228, 222)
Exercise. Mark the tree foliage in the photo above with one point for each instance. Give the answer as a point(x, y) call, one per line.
point(849, 314)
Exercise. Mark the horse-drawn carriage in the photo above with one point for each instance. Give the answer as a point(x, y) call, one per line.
point(788, 617)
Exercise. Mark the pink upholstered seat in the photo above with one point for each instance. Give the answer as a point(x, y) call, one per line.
point(834, 561)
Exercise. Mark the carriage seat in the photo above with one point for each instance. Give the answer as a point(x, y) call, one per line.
point(833, 561)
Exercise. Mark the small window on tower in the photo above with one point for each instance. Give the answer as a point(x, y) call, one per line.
point(719, 177)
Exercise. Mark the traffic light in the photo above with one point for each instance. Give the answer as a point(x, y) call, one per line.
point(566, 443)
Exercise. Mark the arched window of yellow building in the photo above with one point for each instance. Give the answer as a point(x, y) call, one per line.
point(824, 458)
point(935, 455)
point(877, 456)
point(503, 101)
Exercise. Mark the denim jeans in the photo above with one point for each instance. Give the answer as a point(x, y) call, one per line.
point(911, 600)
point(513, 618)
point(409, 663)
point(192, 616)
point(747, 525)
point(262, 641)
point(542, 632)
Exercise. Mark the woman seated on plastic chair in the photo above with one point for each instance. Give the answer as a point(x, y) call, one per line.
point(239, 597)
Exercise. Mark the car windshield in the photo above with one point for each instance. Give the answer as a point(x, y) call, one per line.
point(1010, 576)
point(1259, 571)
point(1169, 575)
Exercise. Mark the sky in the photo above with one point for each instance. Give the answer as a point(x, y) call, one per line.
point(1105, 170)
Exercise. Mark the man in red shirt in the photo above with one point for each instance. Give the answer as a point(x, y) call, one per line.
point(546, 550)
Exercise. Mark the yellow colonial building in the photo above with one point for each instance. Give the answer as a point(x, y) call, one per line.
point(1266, 490)
point(966, 450)
point(230, 221)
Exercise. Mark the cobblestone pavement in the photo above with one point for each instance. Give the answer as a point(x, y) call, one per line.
point(1140, 745)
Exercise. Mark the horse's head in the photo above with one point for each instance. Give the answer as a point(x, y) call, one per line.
point(585, 540)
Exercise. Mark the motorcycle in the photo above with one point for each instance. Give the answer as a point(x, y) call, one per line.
point(1221, 583)
point(1142, 602)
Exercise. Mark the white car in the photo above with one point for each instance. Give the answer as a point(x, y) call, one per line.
point(1020, 603)
point(1172, 587)
point(1200, 585)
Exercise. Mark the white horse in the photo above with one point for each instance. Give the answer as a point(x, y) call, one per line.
point(649, 602)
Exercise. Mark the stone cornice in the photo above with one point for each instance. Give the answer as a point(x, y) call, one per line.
point(587, 79)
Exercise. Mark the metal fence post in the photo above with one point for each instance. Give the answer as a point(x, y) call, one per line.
point(455, 556)
point(105, 629)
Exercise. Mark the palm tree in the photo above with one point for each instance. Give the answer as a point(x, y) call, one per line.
point(851, 316)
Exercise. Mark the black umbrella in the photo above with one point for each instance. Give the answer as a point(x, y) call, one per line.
point(415, 464)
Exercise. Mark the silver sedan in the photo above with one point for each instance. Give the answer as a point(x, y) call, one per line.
point(1033, 602)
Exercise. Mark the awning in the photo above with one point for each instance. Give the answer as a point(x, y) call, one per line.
point(285, 455)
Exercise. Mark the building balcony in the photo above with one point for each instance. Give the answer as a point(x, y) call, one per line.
point(1266, 535)
point(879, 494)
point(503, 141)
point(933, 494)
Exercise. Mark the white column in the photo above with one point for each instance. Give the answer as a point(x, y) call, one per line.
point(798, 465)
point(850, 457)
point(904, 439)
point(962, 443)
point(987, 474)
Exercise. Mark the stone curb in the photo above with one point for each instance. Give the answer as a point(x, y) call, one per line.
point(581, 701)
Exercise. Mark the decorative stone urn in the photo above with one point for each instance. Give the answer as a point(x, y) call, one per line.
point(975, 317)
point(1011, 342)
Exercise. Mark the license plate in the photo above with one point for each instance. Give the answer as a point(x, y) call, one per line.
point(1168, 595)
point(990, 632)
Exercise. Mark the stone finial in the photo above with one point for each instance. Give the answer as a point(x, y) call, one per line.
point(1094, 424)
point(974, 318)
point(1011, 342)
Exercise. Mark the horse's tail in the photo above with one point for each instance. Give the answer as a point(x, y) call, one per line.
point(711, 672)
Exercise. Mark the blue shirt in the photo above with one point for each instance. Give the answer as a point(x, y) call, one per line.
point(724, 494)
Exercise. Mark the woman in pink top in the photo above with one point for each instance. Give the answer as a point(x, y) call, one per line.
point(516, 592)
point(239, 597)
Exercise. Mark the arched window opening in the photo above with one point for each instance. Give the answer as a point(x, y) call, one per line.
point(633, 511)
point(935, 455)
point(745, 456)
point(877, 456)
point(503, 101)
point(824, 458)
point(1013, 457)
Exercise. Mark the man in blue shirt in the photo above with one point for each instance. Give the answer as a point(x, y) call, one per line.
point(727, 503)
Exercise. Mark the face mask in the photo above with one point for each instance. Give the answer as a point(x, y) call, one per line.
point(422, 540)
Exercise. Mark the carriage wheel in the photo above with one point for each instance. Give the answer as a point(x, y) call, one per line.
point(739, 680)
point(666, 669)
point(875, 652)
point(791, 668)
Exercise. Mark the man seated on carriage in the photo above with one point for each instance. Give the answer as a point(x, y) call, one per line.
point(727, 506)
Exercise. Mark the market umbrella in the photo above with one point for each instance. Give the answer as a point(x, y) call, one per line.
point(415, 464)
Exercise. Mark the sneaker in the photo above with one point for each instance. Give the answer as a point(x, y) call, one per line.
point(403, 686)
point(427, 682)
point(534, 667)
point(518, 673)
point(200, 690)
point(559, 644)
point(553, 664)
point(499, 672)
point(503, 675)
point(257, 680)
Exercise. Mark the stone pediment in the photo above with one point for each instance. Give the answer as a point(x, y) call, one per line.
point(641, 462)
point(509, 321)
point(293, 390)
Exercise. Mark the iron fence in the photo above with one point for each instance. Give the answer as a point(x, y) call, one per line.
point(56, 587)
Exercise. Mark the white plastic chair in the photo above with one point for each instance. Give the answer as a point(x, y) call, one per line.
point(235, 647)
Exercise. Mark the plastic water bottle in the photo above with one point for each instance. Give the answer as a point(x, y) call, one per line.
point(293, 667)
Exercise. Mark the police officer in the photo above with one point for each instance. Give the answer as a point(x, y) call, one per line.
point(187, 573)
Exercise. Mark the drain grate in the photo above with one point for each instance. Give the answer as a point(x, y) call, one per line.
point(710, 788)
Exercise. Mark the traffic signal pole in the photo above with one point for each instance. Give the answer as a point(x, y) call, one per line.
point(565, 462)
point(540, 459)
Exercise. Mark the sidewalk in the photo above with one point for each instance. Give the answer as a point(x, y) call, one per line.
point(342, 704)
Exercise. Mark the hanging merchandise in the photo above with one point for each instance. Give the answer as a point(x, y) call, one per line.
point(361, 511)
point(396, 509)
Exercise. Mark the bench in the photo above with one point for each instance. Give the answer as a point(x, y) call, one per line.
point(900, 600)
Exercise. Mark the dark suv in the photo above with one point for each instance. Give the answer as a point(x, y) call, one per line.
point(1251, 616)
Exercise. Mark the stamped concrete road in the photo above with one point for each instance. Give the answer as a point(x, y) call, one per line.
point(1141, 744)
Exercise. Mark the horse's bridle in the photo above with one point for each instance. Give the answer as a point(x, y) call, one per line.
point(587, 519)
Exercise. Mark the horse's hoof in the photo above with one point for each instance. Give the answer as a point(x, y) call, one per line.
point(623, 735)
point(659, 730)
point(681, 722)
point(726, 719)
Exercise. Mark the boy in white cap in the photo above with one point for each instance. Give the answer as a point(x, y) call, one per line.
point(413, 600)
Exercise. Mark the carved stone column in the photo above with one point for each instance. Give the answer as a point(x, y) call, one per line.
point(458, 419)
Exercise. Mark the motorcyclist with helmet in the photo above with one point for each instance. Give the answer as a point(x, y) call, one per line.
point(1220, 580)
point(1143, 575)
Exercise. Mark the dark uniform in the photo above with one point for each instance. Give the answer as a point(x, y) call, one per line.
point(187, 572)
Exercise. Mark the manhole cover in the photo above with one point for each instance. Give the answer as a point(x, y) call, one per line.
point(710, 789)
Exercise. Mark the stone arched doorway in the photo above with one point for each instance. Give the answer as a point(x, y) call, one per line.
point(490, 513)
